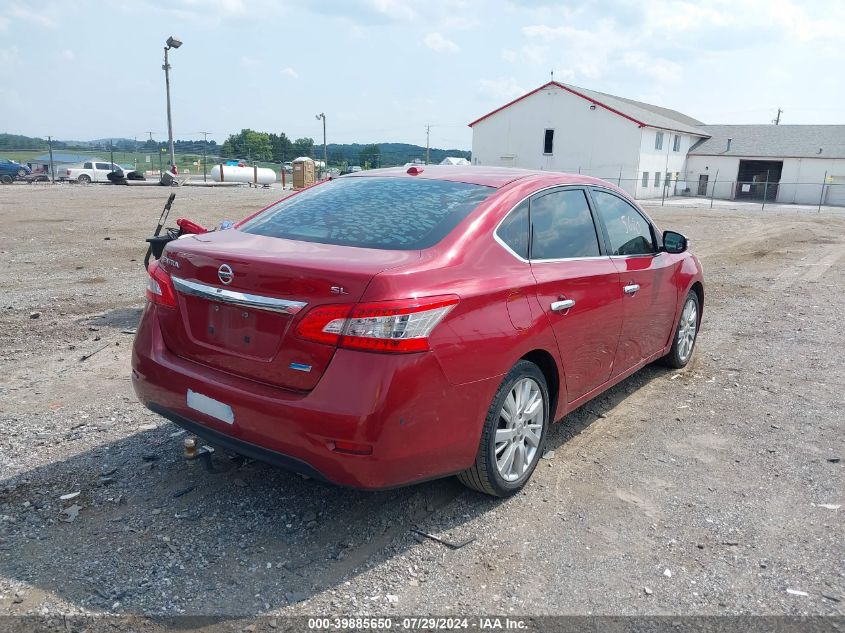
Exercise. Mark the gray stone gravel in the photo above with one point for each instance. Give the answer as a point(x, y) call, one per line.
point(725, 474)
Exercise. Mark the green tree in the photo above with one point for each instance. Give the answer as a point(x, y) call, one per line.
point(282, 147)
point(303, 147)
point(370, 155)
point(248, 144)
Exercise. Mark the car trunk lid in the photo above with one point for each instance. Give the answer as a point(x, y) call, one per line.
point(247, 326)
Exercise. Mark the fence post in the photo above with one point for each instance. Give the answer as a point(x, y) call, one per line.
point(765, 191)
point(821, 196)
point(619, 180)
point(713, 190)
point(221, 172)
point(283, 175)
point(255, 174)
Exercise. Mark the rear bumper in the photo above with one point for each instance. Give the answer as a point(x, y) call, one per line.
point(420, 426)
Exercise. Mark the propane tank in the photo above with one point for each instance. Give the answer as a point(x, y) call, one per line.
point(233, 173)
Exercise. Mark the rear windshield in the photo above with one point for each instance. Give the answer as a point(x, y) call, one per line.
point(385, 213)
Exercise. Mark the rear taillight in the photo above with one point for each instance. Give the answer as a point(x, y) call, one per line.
point(386, 326)
point(160, 288)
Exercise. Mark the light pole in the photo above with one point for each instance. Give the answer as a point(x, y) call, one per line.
point(322, 115)
point(172, 42)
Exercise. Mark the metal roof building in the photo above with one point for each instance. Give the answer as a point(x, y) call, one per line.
point(783, 163)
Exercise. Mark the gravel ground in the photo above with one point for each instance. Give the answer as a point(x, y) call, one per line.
point(714, 490)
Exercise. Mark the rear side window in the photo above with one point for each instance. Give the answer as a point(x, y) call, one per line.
point(513, 230)
point(562, 226)
point(103, 166)
point(386, 213)
point(628, 230)
point(88, 166)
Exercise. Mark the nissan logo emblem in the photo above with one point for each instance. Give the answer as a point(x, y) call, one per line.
point(225, 274)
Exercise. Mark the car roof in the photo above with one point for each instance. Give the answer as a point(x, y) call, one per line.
point(477, 175)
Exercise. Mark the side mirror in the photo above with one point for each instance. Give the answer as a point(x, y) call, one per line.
point(674, 242)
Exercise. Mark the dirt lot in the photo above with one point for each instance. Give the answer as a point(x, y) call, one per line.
point(715, 490)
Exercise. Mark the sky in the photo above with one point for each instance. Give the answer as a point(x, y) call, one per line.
point(381, 70)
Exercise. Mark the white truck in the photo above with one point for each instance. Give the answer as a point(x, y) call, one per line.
point(92, 171)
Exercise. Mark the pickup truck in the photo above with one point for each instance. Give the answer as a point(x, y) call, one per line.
point(92, 171)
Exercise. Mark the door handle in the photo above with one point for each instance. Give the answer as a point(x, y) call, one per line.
point(560, 306)
point(631, 289)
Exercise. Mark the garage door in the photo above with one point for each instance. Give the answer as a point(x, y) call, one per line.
point(836, 191)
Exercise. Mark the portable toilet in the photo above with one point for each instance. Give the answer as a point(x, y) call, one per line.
point(303, 172)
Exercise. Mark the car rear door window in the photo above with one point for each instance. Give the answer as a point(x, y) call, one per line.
point(88, 166)
point(562, 226)
point(393, 213)
point(104, 166)
point(513, 230)
point(628, 231)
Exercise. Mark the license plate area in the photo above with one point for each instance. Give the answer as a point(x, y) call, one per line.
point(210, 407)
point(246, 332)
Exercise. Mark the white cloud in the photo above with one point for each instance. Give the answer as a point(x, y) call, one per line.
point(440, 44)
point(395, 9)
point(650, 66)
point(230, 7)
point(501, 89)
point(43, 16)
point(9, 56)
point(68, 54)
point(529, 54)
point(248, 62)
point(290, 72)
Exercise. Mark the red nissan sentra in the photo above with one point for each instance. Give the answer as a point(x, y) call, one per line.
point(393, 326)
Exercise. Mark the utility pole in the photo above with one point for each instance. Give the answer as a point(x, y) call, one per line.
point(322, 115)
point(204, 146)
point(52, 169)
point(427, 138)
point(776, 120)
point(172, 42)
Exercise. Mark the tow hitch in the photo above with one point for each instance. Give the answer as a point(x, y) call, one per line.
point(205, 454)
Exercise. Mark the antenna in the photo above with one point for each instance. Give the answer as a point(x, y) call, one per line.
point(776, 120)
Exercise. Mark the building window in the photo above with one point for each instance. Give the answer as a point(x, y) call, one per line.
point(658, 140)
point(657, 179)
point(676, 143)
point(549, 142)
point(645, 179)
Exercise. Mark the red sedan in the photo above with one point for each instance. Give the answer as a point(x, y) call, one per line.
point(393, 326)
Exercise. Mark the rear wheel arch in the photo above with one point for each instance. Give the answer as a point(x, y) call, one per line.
point(548, 366)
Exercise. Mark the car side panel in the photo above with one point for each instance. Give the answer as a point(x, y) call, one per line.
point(650, 312)
point(588, 333)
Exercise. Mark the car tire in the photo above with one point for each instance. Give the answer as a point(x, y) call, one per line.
point(84, 179)
point(6, 179)
point(21, 173)
point(510, 447)
point(686, 334)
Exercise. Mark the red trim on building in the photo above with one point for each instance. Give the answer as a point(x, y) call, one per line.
point(575, 92)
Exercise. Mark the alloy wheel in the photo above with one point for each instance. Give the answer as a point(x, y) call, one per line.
point(520, 429)
point(687, 330)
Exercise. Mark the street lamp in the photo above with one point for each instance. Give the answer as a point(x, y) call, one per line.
point(172, 42)
point(322, 115)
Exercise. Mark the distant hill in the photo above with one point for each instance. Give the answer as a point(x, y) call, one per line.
point(391, 153)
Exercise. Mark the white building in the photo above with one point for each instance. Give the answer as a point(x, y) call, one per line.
point(559, 127)
point(783, 163)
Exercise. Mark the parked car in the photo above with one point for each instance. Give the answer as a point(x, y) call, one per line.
point(91, 171)
point(11, 170)
point(396, 325)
